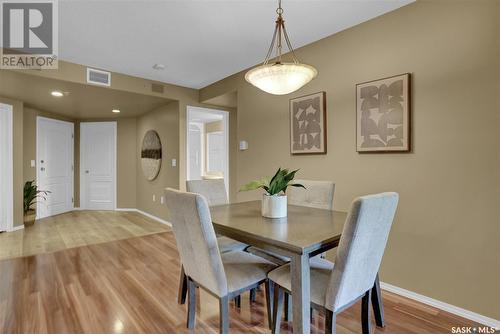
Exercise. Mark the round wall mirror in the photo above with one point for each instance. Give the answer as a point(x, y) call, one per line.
point(151, 155)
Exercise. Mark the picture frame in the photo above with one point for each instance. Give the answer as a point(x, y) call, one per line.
point(383, 115)
point(308, 124)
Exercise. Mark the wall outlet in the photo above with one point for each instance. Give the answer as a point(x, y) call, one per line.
point(162, 199)
point(154, 198)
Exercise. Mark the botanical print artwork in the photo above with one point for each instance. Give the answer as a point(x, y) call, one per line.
point(151, 155)
point(307, 124)
point(383, 109)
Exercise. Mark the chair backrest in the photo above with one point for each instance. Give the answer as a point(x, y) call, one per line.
point(361, 248)
point(196, 240)
point(213, 190)
point(318, 194)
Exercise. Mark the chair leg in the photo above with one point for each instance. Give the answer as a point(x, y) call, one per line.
point(288, 307)
point(269, 288)
point(253, 295)
point(224, 315)
point(377, 303)
point(237, 301)
point(277, 309)
point(191, 317)
point(330, 322)
point(181, 296)
point(365, 313)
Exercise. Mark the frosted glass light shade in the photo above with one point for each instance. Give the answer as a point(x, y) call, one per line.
point(280, 78)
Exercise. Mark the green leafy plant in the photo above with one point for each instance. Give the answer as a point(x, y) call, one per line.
point(31, 194)
point(276, 185)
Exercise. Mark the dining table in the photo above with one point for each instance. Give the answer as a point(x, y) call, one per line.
point(305, 232)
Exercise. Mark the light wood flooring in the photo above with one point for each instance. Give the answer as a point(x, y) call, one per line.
point(130, 286)
point(74, 229)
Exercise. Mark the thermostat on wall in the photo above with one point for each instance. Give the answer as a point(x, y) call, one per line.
point(243, 145)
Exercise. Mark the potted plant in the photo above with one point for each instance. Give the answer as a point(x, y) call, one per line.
point(31, 194)
point(274, 200)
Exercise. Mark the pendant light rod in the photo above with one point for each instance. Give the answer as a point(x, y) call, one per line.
point(279, 32)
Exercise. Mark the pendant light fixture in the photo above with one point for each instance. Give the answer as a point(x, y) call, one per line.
point(280, 78)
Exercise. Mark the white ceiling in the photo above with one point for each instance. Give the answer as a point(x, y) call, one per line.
point(200, 41)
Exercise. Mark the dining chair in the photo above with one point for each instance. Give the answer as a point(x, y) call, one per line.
point(215, 193)
point(224, 275)
point(337, 286)
point(318, 194)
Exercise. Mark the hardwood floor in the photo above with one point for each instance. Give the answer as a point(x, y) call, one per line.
point(74, 229)
point(130, 286)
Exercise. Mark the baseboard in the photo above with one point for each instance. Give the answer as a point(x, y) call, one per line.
point(127, 209)
point(490, 322)
point(16, 228)
point(158, 219)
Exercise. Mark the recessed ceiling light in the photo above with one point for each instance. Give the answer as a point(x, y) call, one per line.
point(116, 111)
point(57, 93)
point(159, 67)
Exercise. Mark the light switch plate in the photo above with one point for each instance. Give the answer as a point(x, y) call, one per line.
point(174, 162)
point(33, 163)
point(162, 199)
point(154, 198)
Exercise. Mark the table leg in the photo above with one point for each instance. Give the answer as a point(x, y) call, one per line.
point(377, 303)
point(301, 293)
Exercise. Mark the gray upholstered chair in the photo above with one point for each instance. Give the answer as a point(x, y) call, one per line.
point(224, 275)
point(215, 193)
point(335, 287)
point(318, 194)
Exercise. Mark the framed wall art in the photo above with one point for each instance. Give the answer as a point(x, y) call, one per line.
point(383, 115)
point(308, 125)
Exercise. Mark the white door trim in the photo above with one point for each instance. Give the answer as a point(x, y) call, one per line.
point(8, 195)
point(72, 125)
point(83, 201)
point(225, 119)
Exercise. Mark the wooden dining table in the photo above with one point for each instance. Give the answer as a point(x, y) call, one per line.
point(304, 233)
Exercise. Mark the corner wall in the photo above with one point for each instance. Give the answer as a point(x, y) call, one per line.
point(165, 121)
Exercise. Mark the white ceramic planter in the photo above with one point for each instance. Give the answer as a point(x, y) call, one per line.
point(274, 206)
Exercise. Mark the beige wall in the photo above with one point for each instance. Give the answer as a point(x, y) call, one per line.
point(165, 121)
point(17, 122)
point(444, 243)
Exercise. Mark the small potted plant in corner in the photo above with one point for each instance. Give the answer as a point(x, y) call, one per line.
point(31, 194)
point(274, 200)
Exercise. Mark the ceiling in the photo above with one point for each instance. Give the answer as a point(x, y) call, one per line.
point(81, 101)
point(199, 41)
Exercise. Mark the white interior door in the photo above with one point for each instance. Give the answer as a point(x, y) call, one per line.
point(55, 165)
point(6, 169)
point(98, 165)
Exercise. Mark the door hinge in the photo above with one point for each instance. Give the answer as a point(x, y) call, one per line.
point(72, 136)
point(72, 168)
point(72, 200)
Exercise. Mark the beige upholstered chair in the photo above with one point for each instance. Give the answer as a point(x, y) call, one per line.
point(215, 193)
point(223, 275)
point(335, 287)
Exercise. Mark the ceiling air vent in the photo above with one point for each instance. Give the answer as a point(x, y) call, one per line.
point(98, 77)
point(157, 88)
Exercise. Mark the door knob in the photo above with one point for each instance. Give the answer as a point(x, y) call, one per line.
point(86, 172)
